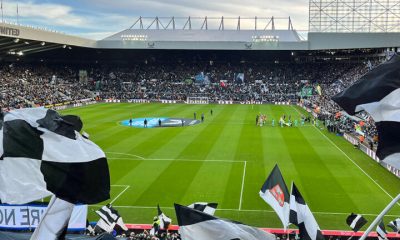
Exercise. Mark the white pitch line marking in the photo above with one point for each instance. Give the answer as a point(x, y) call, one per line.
point(245, 210)
point(362, 170)
point(241, 191)
point(126, 188)
point(127, 154)
point(180, 160)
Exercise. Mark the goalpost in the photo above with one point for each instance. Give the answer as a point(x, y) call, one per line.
point(197, 100)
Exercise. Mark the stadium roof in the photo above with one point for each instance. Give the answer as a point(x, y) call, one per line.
point(19, 40)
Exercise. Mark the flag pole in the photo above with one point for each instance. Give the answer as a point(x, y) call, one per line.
point(2, 15)
point(380, 216)
point(17, 15)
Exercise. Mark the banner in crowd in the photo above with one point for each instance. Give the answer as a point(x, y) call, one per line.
point(306, 92)
point(239, 78)
point(200, 77)
point(20, 217)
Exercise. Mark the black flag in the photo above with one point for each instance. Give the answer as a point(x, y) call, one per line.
point(378, 93)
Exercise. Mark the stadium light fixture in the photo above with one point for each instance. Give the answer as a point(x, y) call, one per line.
point(26, 42)
point(134, 37)
point(42, 43)
point(69, 47)
point(64, 46)
point(20, 53)
point(16, 40)
point(265, 38)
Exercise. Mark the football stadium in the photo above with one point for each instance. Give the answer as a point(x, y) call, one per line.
point(204, 128)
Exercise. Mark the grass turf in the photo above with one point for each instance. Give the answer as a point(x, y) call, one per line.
point(227, 158)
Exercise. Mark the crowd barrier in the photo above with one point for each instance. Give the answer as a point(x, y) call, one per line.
point(279, 231)
point(62, 106)
point(372, 154)
point(222, 102)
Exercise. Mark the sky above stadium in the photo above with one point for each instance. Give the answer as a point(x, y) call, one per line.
point(98, 19)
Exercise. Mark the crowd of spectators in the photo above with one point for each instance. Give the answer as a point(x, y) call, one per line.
point(145, 235)
point(334, 118)
point(35, 85)
point(32, 85)
point(29, 85)
point(267, 82)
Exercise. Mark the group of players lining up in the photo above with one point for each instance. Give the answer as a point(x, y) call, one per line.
point(261, 120)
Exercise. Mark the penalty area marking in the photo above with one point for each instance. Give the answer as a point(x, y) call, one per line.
point(127, 154)
point(243, 210)
point(241, 190)
point(139, 158)
point(125, 188)
point(347, 156)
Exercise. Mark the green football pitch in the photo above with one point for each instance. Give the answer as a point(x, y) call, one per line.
point(227, 158)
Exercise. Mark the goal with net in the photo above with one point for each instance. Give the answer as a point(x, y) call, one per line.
point(197, 100)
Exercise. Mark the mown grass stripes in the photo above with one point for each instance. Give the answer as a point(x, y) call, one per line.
point(178, 170)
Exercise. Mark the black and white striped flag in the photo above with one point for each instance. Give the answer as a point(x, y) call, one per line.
point(208, 208)
point(197, 225)
point(164, 220)
point(301, 216)
point(109, 218)
point(395, 225)
point(356, 221)
point(378, 93)
point(381, 231)
point(44, 153)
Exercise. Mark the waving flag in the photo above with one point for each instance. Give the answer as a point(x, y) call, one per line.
point(378, 93)
point(302, 217)
point(208, 208)
point(43, 153)
point(356, 221)
point(381, 231)
point(275, 192)
point(197, 225)
point(395, 225)
point(109, 218)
